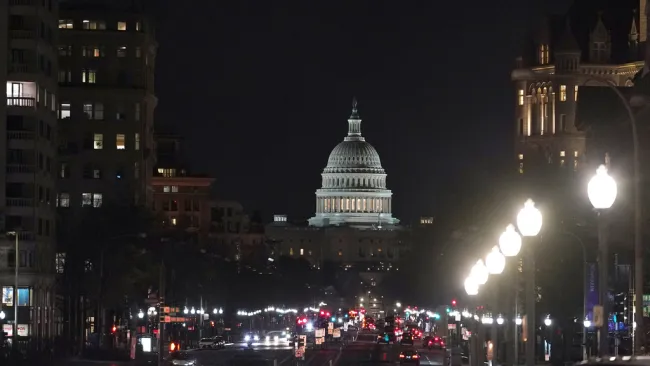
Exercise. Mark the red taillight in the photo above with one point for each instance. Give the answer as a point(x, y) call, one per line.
point(401, 356)
point(416, 356)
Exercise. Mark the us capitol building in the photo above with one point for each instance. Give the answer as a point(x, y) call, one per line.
point(353, 225)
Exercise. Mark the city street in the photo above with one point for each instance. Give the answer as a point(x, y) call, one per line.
point(365, 351)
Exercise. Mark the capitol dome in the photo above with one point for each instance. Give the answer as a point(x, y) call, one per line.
point(353, 187)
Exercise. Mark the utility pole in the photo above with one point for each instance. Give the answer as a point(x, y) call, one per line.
point(161, 303)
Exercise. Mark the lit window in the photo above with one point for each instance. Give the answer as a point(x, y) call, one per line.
point(121, 26)
point(575, 154)
point(340, 253)
point(562, 93)
point(137, 26)
point(520, 97)
point(290, 251)
point(175, 189)
point(521, 168)
point(137, 141)
point(521, 156)
point(136, 170)
point(97, 200)
point(166, 189)
point(24, 298)
point(60, 262)
point(64, 110)
point(98, 141)
point(92, 51)
point(302, 251)
point(94, 24)
point(97, 174)
point(575, 93)
point(167, 173)
point(137, 111)
point(89, 76)
point(7, 296)
point(120, 142)
point(66, 24)
point(174, 221)
point(86, 199)
point(64, 200)
point(543, 54)
point(138, 52)
point(121, 51)
point(98, 113)
point(562, 153)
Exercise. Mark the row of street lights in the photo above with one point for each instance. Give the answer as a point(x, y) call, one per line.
point(602, 192)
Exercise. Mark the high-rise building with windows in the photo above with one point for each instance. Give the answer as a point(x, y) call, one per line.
point(106, 62)
point(28, 125)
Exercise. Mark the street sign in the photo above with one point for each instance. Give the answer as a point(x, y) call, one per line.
point(319, 333)
point(336, 333)
point(598, 316)
point(300, 352)
point(330, 325)
point(330, 331)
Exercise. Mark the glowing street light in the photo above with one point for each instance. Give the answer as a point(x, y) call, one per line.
point(586, 323)
point(2, 315)
point(479, 272)
point(398, 304)
point(529, 219)
point(510, 242)
point(495, 261)
point(500, 320)
point(193, 311)
point(548, 322)
point(471, 286)
point(185, 311)
point(602, 189)
point(140, 314)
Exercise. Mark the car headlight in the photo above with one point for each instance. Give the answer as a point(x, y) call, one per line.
point(268, 338)
point(247, 338)
point(257, 338)
point(276, 338)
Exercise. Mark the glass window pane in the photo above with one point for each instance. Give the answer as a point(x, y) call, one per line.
point(23, 297)
point(7, 296)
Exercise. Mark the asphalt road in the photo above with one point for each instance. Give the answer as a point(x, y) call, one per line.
point(364, 351)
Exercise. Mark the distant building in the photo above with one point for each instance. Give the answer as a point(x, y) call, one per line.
point(181, 197)
point(28, 131)
point(353, 226)
point(233, 233)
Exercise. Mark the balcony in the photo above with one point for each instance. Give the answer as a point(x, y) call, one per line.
point(20, 202)
point(18, 68)
point(21, 102)
point(22, 34)
point(20, 135)
point(20, 169)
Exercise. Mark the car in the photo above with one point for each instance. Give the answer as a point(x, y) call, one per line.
point(407, 339)
point(207, 343)
point(180, 358)
point(409, 356)
point(250, 337)
point(433, 342)
point(219, 341)
point(277, 336)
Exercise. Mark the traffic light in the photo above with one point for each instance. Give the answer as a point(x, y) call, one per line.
point(172, 347)
point(212, 323)
point(114, 329)
point(448, 310)
point(453, 302)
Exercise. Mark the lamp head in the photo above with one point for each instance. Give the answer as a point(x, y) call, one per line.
point(529, 219)
point(510, 242)
point(495, 261)
point(602, 189)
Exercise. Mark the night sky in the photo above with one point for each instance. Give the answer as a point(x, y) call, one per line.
point(262, 91)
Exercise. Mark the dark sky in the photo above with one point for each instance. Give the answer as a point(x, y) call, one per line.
point(262, 91)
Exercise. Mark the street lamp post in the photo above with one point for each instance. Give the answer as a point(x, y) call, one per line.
point(529, 221)
point(471, 287)
point(495, 263)
point(602, 193)
point(510, 245)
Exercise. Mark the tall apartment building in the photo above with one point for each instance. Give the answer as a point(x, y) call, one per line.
point(28, 125)
point(106, 79)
